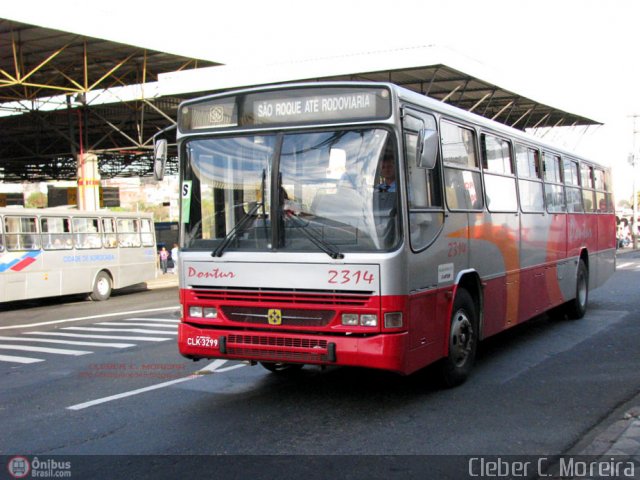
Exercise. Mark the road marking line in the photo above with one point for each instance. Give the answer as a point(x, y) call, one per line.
point(209, 368)
point(125, 324)
point(81, 406)
point(132, 330)
point(68, 342)
point(12, 359)
point(164, 320)
point(28, 348)
point(91, 317)
point(108, 337)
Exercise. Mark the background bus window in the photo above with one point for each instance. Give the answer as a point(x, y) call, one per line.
point(21, 233)
point(530, 179)
point(86, 233)
point(128, 232)
point(462, 185)
point(499, 179)
point(56, 233)
point(109, 238)
point(147, 233)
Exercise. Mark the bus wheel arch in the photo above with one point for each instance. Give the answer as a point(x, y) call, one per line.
point(464, 332)
point(102, 286)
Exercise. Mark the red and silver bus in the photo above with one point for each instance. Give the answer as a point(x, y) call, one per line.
point(363, 224)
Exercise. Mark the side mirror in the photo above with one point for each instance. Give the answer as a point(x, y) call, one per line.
point(427, 149)
point(159, 158)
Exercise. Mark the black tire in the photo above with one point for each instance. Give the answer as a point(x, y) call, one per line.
point(102, 287)
point(463, 341)
point(576, 308)
point(277, 367)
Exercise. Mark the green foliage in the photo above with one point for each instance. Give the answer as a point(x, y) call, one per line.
point(36, 200)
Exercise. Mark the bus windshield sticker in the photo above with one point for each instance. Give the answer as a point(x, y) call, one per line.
point(445, 272)
point(186, 200)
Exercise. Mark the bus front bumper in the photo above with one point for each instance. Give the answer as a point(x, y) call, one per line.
point(380, 351)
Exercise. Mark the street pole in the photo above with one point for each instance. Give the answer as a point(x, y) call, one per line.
point(634, 160)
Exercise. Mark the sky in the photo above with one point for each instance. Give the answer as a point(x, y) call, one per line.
point(578, 55)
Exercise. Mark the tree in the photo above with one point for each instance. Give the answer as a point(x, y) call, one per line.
point(36, 200)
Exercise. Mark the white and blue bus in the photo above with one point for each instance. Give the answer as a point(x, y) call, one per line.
point(51, 252)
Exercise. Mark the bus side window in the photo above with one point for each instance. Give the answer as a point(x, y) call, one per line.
point(21, 233)
point(462, 171)
point(128, 232)
point(86, 233)
point(109, 239)
point(147, 233)
point(56, 233)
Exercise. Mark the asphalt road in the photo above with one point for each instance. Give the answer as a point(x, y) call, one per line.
point(536, 390)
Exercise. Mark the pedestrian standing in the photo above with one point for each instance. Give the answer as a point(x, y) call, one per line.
point(164, 259)
point(174, 257)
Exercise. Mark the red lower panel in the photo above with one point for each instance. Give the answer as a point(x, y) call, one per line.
point(384, 351)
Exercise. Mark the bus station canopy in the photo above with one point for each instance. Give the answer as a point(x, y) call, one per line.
point(63, 93)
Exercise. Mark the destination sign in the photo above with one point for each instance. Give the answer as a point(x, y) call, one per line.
point(346, 105)
point(289, 107)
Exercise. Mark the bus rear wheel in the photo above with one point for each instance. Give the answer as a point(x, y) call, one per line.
point(101, 287)
point(278, 367)
point(463, 341)
point(576, 308)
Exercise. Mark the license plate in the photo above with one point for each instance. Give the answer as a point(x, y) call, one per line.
point(203, 341)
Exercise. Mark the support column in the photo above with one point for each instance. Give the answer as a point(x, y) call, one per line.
point(88, 182)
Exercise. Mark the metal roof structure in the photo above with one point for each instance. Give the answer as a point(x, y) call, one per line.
point(62, 93)
point(47, 115)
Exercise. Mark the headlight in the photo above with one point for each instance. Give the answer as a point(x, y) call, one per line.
point(369, 320)
point(393, 320)
point(195, 312)
point(350, 319)
point(210, 312)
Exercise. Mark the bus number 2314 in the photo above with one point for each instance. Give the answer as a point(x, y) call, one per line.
point(355, 277)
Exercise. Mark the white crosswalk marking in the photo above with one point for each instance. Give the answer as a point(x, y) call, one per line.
point(133, 330)
point(162, 320)
point(108, 337)
point(68, 342)
point(116, 334)
point(12, 359)
point(57, 351)
point(136, 324)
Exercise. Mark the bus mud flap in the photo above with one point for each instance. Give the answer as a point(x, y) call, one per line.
point(331, 352)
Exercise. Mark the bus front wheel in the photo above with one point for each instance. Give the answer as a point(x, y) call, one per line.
point(463, 341)
point(101, 287)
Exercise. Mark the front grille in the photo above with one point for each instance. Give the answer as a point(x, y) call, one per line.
point(288, 316)
point(290, 297)
point(277, 341)
point(278, 348)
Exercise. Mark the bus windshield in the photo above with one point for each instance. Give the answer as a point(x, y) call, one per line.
point(307, 191)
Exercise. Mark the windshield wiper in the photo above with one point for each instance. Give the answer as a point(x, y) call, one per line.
point(238, 229)
point(327, 248)
point(244, 221)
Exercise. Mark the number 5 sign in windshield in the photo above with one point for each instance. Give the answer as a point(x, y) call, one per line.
point(185, 195)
